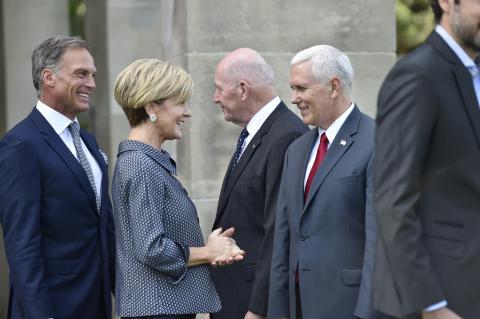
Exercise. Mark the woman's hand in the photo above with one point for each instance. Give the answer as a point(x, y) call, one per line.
point(222, 248)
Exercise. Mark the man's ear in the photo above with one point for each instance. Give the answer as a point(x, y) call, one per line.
point(335, 87)
point(244, 90)
point(446, 5)
point(48, 77)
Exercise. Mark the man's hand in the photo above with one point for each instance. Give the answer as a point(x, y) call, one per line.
point(251, 315)
point(442, 313)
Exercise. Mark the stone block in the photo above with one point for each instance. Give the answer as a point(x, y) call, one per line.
point(25, 25)
point(288, 26)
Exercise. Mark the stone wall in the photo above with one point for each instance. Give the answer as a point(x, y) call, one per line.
point(195, 34)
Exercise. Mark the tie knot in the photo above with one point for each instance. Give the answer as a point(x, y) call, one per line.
point(74, 127)
point(244, 133)
point(324, 139)
point(474, 70)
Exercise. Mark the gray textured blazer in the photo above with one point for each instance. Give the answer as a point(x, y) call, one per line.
point(332, 236)
point(156, 223)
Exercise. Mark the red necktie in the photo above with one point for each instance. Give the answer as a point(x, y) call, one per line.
point(321, 151)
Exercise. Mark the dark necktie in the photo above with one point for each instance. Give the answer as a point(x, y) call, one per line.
point(321, 151)
point(74, 128)
point(238, 150)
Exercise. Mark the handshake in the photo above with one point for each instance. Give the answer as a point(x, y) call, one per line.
point(222, 248)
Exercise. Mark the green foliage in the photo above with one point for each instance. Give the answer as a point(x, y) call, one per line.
point(414, 23)
point(77, 10)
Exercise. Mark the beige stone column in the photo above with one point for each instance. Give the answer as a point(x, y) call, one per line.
point(197, 34)
point(25, 24)
point(277, 29)
point(121, 31)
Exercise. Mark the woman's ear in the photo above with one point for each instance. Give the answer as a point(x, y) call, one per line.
point(150, 108)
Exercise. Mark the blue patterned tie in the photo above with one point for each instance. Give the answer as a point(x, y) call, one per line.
point(74, 128)
point(238, 150)
point(475, 72)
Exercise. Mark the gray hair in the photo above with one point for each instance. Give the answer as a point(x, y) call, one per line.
point(48, 54)
point(327, 62)
point(256, 72)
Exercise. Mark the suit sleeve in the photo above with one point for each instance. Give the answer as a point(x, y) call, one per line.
point(364, 307)
point(144, 210)
point(111, 245)
point(259, 296)
point(278, 303)
point(407, 111)
point(20, 215)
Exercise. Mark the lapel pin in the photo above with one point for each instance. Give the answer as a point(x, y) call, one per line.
point(253, 145)
point(343, 142)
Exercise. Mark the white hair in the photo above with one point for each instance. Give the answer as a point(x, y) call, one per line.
point(252, 68)
point(327, 62)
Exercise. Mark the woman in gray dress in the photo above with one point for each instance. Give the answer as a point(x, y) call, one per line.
point(162, 261)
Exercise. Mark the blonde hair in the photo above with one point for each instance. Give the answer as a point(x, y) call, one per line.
point(150, 80)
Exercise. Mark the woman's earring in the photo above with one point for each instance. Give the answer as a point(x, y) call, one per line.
point(153, 117)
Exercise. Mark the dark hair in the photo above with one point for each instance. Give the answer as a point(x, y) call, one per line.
point(48, 54)
point(437, 10)
point(135, 116)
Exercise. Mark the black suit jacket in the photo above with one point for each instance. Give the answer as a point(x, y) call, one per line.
point(247, 202)
point(428, 185)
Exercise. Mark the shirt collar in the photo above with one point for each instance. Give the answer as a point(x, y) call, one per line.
point(461, 54)
point(261, 116)
point(333, 129)
point(57, 120)
point(160, 156)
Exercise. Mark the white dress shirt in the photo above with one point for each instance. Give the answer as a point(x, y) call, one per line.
point(257, 121)
point(331, 132)
point(60, 124)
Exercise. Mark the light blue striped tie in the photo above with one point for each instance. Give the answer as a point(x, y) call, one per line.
point(74, 128)
point(475, 72)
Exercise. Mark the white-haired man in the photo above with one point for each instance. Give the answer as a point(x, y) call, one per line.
point(325, 229)
point(247, 97)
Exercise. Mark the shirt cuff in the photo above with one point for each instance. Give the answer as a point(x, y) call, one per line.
point(436, 306)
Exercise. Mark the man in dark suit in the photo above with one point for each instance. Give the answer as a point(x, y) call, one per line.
point(55, 210)
point(245, 92)
point(428, 173)
point(325, 230)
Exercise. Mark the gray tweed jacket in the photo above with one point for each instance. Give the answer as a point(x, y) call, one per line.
point(155, 224)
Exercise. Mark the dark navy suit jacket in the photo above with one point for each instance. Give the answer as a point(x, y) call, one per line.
point(59, 249)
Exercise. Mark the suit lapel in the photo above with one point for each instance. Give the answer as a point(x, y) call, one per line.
point(56, 143)
point(338, 147)
point(231, 177)
point(302, 162)
point(463, 79)
point(470, 103)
